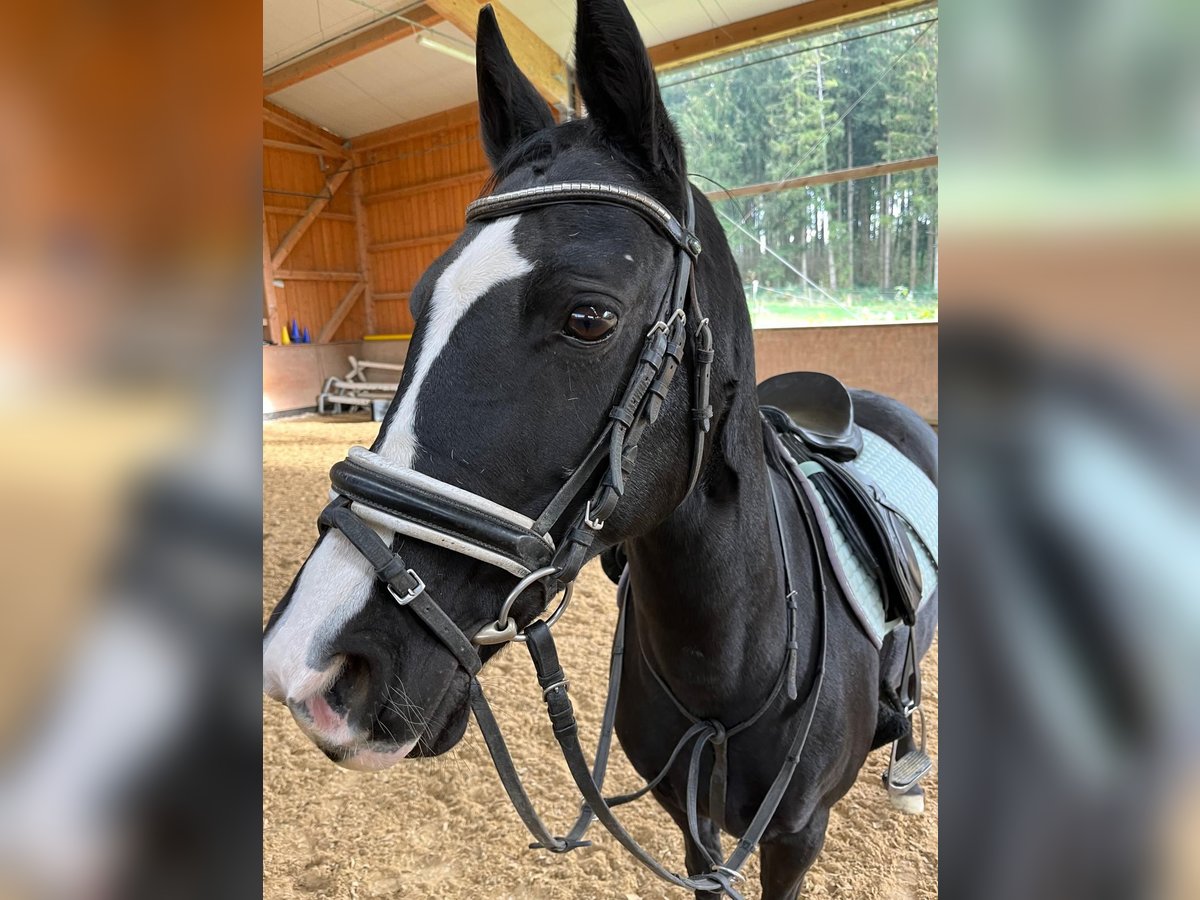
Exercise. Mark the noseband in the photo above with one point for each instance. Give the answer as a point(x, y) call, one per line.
point(372, 493)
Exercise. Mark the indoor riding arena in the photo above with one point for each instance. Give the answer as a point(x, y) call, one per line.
point(811, 128)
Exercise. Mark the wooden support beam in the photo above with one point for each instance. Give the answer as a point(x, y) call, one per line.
point(269, 299)
point(839, 175)
point(339, 314)
point(304, 129)
point(302, 275)
point(394, 295)
point(409, 243)
point(362, 237)
point(303, 148)
point(813, 15)
point(310, 215)
point(301, 210)
point(535, 57)
point(358, 43)
point(427, 186)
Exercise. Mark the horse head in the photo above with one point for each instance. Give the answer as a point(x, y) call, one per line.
point(527, 330)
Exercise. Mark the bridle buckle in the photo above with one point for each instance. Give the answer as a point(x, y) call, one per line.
point(665, 326)
point(589, 520)
point(412, 594)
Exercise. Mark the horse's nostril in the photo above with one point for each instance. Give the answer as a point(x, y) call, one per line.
point(352, 687)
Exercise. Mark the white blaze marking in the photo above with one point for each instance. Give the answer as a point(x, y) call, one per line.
point(491, 259)
point(337, 580)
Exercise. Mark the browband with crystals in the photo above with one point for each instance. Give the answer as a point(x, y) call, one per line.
point(513, 202)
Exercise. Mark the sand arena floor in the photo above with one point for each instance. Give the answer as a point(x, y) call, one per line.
point(443, 828)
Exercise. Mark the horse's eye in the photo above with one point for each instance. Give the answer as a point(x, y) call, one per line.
point(590, 323)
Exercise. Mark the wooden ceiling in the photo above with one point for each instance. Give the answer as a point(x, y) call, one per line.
point(354, 68)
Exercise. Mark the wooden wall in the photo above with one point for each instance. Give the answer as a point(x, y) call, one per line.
point(291, 180)
point(899, 360)
point(405, 201)
point(414, 183)
point(417, 181)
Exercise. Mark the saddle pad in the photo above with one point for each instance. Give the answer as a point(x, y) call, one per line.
point(908, 492)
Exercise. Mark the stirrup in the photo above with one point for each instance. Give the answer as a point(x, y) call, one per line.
point(905, 772)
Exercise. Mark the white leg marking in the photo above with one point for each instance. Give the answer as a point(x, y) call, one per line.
point(337, 580)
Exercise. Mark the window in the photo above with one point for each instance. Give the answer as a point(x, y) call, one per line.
point(819, 154)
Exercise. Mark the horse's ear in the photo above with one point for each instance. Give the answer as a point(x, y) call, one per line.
point(510, 108)
point(618, 84)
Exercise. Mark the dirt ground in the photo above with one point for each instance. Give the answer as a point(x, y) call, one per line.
point(443, 827)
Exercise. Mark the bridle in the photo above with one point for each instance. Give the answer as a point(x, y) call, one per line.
point(422, 507)
point(370, 491)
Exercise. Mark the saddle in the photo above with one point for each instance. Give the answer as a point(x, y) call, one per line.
point(810, 438)
point(812, 417)
point(817, 409)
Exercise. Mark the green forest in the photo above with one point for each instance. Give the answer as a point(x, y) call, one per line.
point(863, 250)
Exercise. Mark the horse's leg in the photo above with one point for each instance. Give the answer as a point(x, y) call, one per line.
point(787, 858)
point(693, 855)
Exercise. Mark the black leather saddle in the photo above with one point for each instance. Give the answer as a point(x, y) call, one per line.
point(817, 408)
point(812, 418)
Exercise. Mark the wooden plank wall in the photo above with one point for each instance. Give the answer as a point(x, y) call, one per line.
point(417, 179)
point(328, 245)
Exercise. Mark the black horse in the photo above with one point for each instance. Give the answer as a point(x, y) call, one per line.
point(527, 329)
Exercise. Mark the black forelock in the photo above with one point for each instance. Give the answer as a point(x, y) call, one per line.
point(537, 148)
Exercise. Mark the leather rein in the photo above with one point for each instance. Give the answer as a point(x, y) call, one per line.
point(372, 493)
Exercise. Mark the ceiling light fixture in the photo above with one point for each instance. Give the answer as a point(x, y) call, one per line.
point(425, 39)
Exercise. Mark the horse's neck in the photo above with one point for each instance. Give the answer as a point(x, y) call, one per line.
point(708, 598)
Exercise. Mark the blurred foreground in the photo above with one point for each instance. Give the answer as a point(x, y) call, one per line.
point(129, 300)
point(1071, 450)
point(130, 450)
